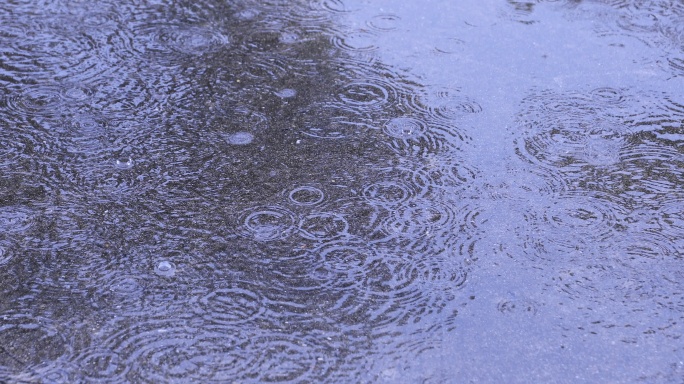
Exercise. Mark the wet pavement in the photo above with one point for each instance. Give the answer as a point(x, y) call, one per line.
point(341, 191)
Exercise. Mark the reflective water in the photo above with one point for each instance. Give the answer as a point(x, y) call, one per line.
point(341, 191)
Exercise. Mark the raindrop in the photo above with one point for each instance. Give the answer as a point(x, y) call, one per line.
point(165, 268)
point(421, 222)
point(247, 14)
point(329, 122)
point(672, 217)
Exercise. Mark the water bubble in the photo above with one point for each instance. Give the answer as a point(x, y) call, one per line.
point(290, 37)
point(125, 163)
point(286, 93)
point(240, 138)
point(247, 14)
point(165, 268)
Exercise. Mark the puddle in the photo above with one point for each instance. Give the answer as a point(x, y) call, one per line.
point(334, 191)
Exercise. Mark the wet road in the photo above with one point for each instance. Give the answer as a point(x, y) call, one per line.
point(341, 191)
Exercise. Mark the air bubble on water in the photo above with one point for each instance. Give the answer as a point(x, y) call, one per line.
point(286, 93)
point(165, 268)
point(240, 138)
point(124, 163)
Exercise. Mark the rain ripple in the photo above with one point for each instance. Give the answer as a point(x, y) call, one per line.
point(283, 357)
point(28, 342)
point(672, 217)
point(414, 136)
point(396, 186)
point(266, 223)
point(48, 100)
point(359, 42)
point(577, 225)
point(99, 365)
point(6, 251)
point(422, 222)
point(229, 306)
point(323, 226)
point(384, 22)
point(306, 195)
point(165, 40)
point(328, 122)
point(171, 351)
point(445, 105)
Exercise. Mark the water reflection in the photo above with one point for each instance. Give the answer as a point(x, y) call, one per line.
point(248, 191)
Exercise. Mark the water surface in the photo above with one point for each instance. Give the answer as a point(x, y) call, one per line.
point(341, 191)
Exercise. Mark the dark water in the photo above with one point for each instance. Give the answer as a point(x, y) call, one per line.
point(341, 191)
